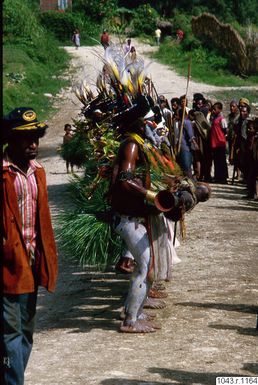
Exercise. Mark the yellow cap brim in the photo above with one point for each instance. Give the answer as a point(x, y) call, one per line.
point(30, 126)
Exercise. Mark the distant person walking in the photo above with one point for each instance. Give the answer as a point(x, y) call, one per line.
point(104, 39)
point(127, 46)
point(132, 54)
point(179, 35)
point(158, 35)
point(76, 39)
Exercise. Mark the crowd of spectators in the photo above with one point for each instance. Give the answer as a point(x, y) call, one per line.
point(206, 141)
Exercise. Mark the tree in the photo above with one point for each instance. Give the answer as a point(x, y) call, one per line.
point(96, 9)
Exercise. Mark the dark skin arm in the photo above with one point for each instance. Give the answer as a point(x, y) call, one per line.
point(128, 162)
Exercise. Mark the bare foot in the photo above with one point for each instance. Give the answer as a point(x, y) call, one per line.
point(142, 316)
point(154, 293)
point(136, 327)
point(146, 316)
point(158, 286)
point(153, 303)
point(151, 324)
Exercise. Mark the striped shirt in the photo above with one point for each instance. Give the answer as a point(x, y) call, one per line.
point(26, 189)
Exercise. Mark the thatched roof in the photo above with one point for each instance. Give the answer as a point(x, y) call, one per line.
point(165, 26)
point(224, 36)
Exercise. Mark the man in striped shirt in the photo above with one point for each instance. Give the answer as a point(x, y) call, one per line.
point(29, 251)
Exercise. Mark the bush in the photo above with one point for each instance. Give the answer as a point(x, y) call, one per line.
point(20, 23)
point(63, 24)
point(25, 80)
point(208, 66)
point(97, 10)
point(32, 60)
point(183, 22)
point(145, 19)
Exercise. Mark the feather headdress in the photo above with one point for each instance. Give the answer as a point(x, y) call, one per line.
point(84, 93)
point(120, 86)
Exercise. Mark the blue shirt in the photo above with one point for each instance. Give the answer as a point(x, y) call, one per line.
point(187, 136)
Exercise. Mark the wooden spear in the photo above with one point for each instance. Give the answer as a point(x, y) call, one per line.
point(171, 149)
point(183, 117)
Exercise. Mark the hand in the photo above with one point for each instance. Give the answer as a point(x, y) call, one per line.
point(194, 145)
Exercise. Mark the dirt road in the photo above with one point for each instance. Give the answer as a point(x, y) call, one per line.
point(208, 327)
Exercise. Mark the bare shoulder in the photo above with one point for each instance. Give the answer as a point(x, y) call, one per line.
point(130, 149)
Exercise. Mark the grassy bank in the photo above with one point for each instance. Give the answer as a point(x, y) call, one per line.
point(26, 80)
point(226, 96)
point(33, 64)
point(206, 67)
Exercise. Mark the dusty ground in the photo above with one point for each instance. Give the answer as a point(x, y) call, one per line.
point(208, 327)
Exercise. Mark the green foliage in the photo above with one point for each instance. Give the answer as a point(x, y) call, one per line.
point(77, 150)
point(63, 24)
point(208, 66)
point(245, 12)
point(227, 96)
point(144, 21)
point(86, 233)
point(210, 58)
point(32, 56)
point(183, 21)
point(97, 10)
point(20, 23)
point(226, 10)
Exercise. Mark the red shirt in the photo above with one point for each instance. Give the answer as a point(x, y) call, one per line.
point(26, 189)
point(104, 38)
point(217, 135)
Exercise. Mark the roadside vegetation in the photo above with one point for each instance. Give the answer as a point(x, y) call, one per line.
point(34, 64)
point(227, 96)
point(207, 66)
point(208, 63)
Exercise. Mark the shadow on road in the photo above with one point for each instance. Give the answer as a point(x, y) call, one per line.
point(242, 308)
point(190, 378)
point(59, 198)
point(239, 329)
point(251, 367)
point(83, 304)
point(233, 193)
point(250, 207)
point(179, 377)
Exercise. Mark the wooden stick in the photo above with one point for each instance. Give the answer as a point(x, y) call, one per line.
point(183, 117)
point(171, 149)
